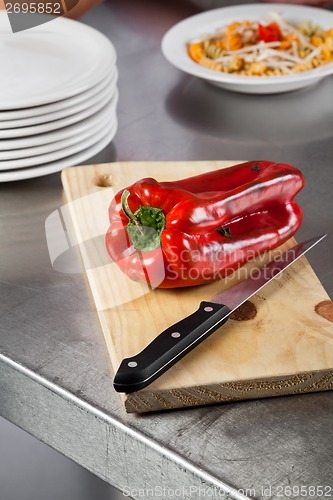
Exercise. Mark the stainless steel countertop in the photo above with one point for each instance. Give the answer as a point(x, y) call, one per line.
point(54, 379)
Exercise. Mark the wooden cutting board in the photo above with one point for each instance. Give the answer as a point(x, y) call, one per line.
point(281, 344)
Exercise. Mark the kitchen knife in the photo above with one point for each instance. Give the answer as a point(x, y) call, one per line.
point(166, 349)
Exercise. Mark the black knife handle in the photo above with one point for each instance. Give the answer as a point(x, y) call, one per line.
point(171, 345)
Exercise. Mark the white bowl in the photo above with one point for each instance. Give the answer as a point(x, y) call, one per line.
point(175, 50)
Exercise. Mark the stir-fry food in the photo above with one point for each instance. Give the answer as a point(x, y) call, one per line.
point(272, 47)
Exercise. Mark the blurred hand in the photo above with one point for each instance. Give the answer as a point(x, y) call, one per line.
point(81, 8)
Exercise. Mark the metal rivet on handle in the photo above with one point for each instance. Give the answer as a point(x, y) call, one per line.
point(175, 335)
point(132, 364)
point(208, 309)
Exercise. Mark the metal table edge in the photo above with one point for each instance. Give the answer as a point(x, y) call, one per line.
point(184, 464)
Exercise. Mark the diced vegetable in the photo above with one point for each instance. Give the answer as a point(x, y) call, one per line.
point(270, 33)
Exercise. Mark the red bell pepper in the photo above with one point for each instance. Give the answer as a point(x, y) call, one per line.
point(270, 33)
point(204, 227)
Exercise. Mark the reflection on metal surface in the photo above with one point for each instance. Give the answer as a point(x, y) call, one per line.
point(293, 118)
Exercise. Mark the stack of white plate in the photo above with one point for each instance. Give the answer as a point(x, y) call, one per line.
point(58, 97)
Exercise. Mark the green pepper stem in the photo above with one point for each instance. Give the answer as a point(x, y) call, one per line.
point(126, 208)
point(145, 225)
point(128, 212)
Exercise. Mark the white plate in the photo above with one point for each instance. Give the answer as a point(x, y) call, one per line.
point(61, 134)
point(39, 111)
point(52, 117)
point(60, 153)
point(56, 166)
point(57, 124)
point(16, 154)
point(175, 40)
point(51, 62)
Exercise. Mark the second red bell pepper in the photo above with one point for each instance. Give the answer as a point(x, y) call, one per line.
point(202, 228)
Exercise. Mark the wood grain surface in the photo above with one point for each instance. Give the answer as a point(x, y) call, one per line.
point(281, 342)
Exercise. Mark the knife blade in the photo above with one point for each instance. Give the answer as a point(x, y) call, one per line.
point(166, 349)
